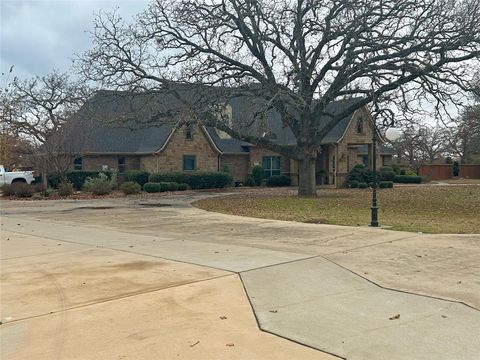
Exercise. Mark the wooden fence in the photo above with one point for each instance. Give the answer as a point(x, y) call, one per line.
point(445, 171)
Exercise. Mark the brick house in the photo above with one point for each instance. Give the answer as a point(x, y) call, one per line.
point(134, 143)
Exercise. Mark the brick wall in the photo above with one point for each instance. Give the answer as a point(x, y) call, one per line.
point(238, 165)
point(96, 162)
point(171, 157)
point(346, 160)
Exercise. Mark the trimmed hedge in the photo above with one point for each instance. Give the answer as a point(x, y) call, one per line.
point(408, 179)
point(353, 184)
point(182, 187)
point(152, 187)
point(387, 175)
point(137, 176)
point(385, 184)
point(362, 185)
point(130, 187)
point(196, 180)
point(278, 180)
point(78, 177)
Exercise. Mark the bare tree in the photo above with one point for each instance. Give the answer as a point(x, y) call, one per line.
point(465, 134)
point(39, 109)
point(294, 58)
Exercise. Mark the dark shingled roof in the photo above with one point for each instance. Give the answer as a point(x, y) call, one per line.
point(135, 133)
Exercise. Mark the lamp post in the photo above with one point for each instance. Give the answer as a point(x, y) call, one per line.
point(391, 134)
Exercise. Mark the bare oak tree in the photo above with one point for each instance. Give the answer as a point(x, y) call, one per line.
point(39, 109)
point(293, 57)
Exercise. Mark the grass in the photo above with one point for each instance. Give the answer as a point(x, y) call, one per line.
point(432, 209)
point(460, 181)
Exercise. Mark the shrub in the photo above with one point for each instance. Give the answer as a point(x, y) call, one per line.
point(387, 175)
point(23, 190)
point(360, 174)
point(100, 185)
point(152, 187)
point(362, 185)
point(249, 181)
point(138, 176)
point(353, 184)
point(385, 184)
point(78, 177)
point(39, 187)
point(182, 187)
point(113, 180)
point(65, 189)
point(386, 168)
point(408, 179)
point(278, 180)
point(168, 186)
point(130, 187)
point(258, 174)
point(8, 190)
point(53, 180)
point(196, 180)
point(45, 193)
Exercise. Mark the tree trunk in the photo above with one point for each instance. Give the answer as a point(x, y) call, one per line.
point(307, 179)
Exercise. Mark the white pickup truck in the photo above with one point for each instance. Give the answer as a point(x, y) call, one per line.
point(10, 177)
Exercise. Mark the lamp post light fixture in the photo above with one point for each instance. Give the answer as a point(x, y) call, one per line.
point(391, 134)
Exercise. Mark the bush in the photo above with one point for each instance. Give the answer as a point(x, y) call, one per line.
point(249, 181)
point(78, 177)
point(40, 187)
point(138, 176)
point(362, 185)
point(130, 187)
point(278, 180)
point(152, 187)
point(408, 179)
point(353, 184)
point(100, 185)
point(195, 180)
point(8, 190)
point(182, 187)
point(65, 189)
point(168, 186)
point(386, 168)
point(360, 174)
point(385, 184)
point(53, 180)
point(258, 174)
point(23, 190)
point(387, 175)
point(45, 193)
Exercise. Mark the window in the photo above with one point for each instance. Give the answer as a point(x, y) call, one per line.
point(271, 165)
point(334, 163)
point(360, 126)
point(365, 161)
point(121, 165)
point(189, 162)
point(189, 132)
point(78, 163)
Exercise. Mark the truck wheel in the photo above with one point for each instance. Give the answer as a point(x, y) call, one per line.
point(18, 181)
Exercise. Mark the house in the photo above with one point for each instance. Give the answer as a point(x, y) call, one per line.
point(117, 133)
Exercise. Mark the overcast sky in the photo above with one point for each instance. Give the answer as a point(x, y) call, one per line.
point(38, 36)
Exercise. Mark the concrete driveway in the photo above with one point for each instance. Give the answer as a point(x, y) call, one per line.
point(155, 278)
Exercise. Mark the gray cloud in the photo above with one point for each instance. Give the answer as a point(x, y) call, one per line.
point(39, 36)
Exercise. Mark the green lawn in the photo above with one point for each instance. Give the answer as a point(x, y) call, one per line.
point(432, 209)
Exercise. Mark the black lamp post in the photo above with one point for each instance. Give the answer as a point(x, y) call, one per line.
point(391, 134)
